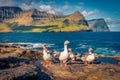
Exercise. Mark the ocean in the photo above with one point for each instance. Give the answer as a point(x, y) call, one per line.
point(103, 43)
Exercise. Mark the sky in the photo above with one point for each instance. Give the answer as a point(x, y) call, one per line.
point(91, 9)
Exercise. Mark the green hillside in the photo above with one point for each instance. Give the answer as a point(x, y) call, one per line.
point(35, 21)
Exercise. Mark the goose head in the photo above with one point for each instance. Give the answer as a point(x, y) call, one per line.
point(44, 46)
point(96, 55)
point(66, 42)
point(70, 49)
point(90, 49)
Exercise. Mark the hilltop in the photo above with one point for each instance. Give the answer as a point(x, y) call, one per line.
point(14, 19)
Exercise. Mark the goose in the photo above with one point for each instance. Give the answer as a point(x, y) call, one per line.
point(72, 55)
point(89, 57)
point(47, 57)
point(64, 55)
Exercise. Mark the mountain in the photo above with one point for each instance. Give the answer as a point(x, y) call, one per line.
point(17, 20)
point(9, 12)
point(37, 21)
point(72, 22)
point(98, 25)
point(77, 18)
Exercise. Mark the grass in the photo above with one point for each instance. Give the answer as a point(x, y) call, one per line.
point(51, 26)
point(38, 30)
point(74, 27)
point(4, 28)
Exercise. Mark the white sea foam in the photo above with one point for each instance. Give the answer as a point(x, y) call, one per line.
point(105, 51)
point(32, 45)
point(79, 48)
point(82, 46)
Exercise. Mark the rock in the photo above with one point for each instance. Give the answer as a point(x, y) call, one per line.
point(7, 50)
point(9, 12)
point(98, 25)
point(25, 72)
point(11, 62)
point(117, 58)
point(22, 68)
point(84, 72)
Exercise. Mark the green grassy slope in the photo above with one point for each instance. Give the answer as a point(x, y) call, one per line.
point(26, 23)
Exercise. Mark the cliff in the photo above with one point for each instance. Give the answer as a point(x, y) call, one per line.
point(72, 22)
point(98, 25)
point(9, 12)
point(33, 20)
point(17, 20)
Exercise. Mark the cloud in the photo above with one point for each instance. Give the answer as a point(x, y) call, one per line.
point(28, 2)
point(66, 3)
point(8, 3)
point(108, 19)
point(25, 6)
point(85, 13)
point(58, 10)
point(46, 8)
point(112, 26)
point(51, 2)
point(114, 21)
point(66, 7)
point(78, 7)
point(81, 3)
point(117, 21)
point(51, 11)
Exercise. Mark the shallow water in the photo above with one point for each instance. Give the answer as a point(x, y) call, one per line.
point(103, 43)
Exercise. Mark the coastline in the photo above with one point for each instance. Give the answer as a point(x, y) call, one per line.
point(27, 64)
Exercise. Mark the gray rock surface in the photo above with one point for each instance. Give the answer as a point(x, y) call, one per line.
point(98, 25)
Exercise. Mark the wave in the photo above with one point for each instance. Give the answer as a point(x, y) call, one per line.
point(80, 48)
point(31, 45)
point(103, 51)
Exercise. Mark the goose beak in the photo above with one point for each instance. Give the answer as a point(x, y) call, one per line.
point(66, 42)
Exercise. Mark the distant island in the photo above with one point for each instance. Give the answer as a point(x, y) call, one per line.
point(14, 19)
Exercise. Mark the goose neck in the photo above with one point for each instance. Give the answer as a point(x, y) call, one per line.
point(90, 52)
point(65, 48)
point(45, 51)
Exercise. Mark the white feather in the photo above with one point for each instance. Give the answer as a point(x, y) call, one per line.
point(90, 57)
point(46, 55)
point(64, 55)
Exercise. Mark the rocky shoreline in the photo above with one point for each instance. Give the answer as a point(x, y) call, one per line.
point(23, 64)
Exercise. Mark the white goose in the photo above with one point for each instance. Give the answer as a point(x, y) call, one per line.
point(64, 55)
point(47, 57)
point(90, 57)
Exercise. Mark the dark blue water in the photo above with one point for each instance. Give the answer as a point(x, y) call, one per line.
point(107, 60)
point(104, 43)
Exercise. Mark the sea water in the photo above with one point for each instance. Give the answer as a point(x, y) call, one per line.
point(103, 43)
